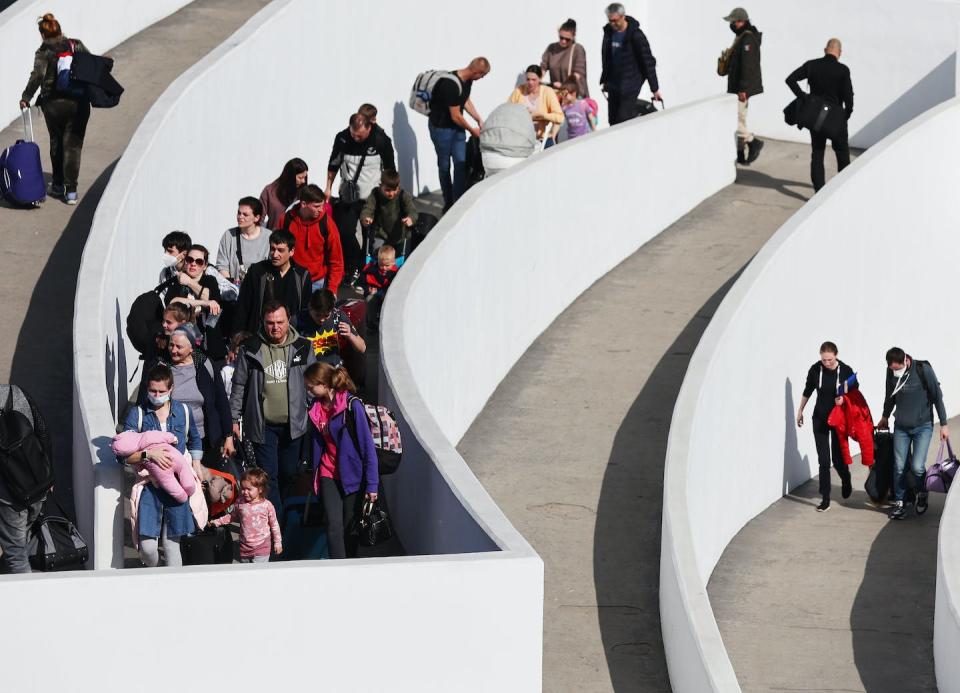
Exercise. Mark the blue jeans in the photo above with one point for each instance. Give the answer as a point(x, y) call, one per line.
point(451, 143)
point(910, 447)
point(278, 455)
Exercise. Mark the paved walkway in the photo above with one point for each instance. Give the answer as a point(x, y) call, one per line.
point(571, 446)
point(40, 249)
point(858, 616)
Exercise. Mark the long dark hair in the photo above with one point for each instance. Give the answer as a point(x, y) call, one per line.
point(287, 182)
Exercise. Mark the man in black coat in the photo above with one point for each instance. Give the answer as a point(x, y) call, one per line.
point(830, 80)
point(627, 64)
point(744, 79)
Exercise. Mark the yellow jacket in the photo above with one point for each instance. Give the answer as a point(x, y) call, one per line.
point(547, 103)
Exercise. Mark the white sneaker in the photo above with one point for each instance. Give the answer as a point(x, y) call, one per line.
point(71, 198)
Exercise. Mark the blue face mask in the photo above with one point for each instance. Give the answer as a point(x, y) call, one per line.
point(158, 401)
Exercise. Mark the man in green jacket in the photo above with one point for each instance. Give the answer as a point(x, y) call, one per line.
point(744, 80)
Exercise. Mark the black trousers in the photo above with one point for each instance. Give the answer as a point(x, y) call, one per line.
point(828, 452)
point(346, 217)
point(622, 105)
point(341, 510)
point(818, 145)
point(67, 124)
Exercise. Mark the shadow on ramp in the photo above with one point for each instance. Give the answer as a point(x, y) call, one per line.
point(43, 360)
point(891, 620)
point(626, 557)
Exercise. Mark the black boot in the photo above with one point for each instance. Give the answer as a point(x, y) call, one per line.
point(754, 146)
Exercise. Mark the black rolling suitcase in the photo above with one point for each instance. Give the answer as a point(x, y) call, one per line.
point(879, 482)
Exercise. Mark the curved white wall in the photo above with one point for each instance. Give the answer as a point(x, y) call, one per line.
point(890, 221)
point(101, 24)
point(946, 621)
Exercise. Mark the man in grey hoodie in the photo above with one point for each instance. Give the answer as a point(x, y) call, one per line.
point(269, 395)
point(912, 388)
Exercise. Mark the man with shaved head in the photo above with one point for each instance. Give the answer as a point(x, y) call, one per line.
point(449, 127)
point(829, 79)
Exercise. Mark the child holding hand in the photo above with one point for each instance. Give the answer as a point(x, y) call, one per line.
point(259, 529)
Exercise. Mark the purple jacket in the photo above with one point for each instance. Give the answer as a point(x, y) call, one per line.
point(351, 463)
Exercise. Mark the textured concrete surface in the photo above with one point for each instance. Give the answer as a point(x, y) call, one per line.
point(834, 601)
point(571, 446)
point(40, 249)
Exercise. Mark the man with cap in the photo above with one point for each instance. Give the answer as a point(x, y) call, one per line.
point(742, 66)
point(830, 80)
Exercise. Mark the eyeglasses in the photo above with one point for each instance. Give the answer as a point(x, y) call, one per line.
point(564, 39)
point(198, 261)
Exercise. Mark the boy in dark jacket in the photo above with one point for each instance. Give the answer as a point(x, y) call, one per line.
point(388, 214)
point(628, 62)
point(744, 79)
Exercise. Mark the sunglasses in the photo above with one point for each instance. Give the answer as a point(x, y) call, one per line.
point(198, 261)
point(564, 38)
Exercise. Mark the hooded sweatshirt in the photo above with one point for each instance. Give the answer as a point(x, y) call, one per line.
point(318, 247)
point(276, 407)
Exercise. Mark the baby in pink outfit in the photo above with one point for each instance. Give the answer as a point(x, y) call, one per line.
point(178, 480)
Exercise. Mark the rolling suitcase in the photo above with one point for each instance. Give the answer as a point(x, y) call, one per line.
point(21, 174)
point(879, 482)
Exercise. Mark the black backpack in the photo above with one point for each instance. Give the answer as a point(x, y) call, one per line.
point(24, 465)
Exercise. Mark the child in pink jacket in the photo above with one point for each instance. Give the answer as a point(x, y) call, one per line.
point(259, 529)
point(178, 480)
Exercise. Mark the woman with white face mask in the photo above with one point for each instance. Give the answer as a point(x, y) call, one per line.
point(826, 377)
point(159, 517)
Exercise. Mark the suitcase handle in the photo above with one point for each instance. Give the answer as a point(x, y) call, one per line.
point(27, 116)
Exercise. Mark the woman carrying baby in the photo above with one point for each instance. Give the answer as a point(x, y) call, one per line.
point(160, 516)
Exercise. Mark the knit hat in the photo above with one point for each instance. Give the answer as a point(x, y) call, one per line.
point(737, 15)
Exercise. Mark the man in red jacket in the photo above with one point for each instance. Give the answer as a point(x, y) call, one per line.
point(318, 240)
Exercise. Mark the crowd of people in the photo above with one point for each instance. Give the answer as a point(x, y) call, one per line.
point(255, 348)
point(841, 412)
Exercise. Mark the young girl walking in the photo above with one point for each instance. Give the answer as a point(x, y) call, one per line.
point(259, 529)
point(344, 460)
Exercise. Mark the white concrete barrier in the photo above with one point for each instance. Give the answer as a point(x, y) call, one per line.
point(946, 615)
point(100, 24)
point(869, 263)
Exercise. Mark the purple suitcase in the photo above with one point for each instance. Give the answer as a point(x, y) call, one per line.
point(940, 474)
point(21, 174)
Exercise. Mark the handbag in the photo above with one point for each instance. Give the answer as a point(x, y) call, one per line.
point(940, 475)
point(349, 190)
point(54, 542)
point(374, 525)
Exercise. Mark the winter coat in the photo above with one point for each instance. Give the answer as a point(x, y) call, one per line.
point(44, 74)
point(635, 61)
point(246, 395)
point(262, 283)
point(852, 419)
point(744, 70)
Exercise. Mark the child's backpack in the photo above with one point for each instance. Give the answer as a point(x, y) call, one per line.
point(65, 83)
point(423, 86)
point(385, 432)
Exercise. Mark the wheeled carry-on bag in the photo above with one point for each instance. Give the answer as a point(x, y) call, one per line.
point(21, 174)
point(879, 482)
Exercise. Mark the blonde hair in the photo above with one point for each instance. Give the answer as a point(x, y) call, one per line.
point(386, 251)
point(334, 377)
point(49, 26)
